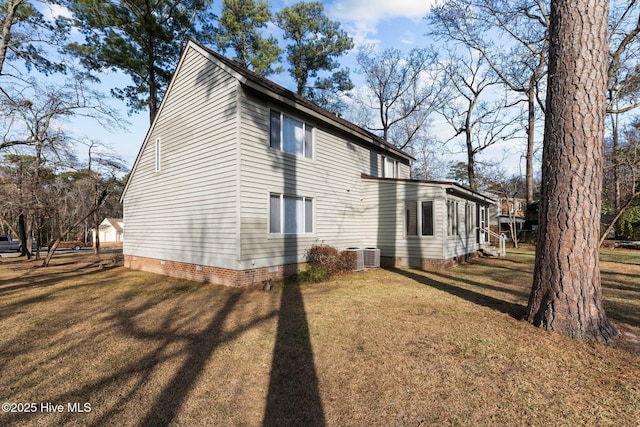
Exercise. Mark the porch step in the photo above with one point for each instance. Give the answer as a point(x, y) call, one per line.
point(490, 251)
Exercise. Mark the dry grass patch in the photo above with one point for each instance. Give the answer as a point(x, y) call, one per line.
point(399, 347)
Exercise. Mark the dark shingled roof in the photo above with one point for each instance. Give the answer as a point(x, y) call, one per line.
point(285, 93)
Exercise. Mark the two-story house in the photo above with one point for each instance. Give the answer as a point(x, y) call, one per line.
point(510, 215)
point(238, 176)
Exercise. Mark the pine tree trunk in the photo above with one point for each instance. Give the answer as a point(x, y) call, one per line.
point(566, 295)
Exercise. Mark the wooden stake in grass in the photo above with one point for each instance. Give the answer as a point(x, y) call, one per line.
point(566, 295)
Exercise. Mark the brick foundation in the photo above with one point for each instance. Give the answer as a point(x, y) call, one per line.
point(207, 274)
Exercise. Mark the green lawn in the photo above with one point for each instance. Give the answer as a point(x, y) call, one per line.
point(377, 348)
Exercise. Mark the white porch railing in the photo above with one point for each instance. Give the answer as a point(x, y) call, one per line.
point(502, 245)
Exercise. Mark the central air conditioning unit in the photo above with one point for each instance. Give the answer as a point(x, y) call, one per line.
point(359, 261)
point(371, 257)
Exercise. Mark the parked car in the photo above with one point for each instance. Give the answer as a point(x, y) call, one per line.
point(76, 245)
point(9, 244)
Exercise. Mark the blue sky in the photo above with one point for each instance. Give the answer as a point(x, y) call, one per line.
point(398, 24)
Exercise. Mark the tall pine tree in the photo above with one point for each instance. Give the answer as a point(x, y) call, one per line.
point(142, 39)
point(239, 29)
point(316, 42)
point(566, 295)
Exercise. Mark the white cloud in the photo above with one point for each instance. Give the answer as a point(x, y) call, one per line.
point(408, 38)
point(361, 17)
point(362, 32)
point(373, 11)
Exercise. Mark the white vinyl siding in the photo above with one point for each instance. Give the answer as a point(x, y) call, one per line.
point(332, 179)
point(385, 216)
point(187, 213)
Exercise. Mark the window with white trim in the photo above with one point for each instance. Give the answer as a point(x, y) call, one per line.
point(389, 167)
point(290, 214)
point(418, 217)
point(468, 218)
point(427, 218)
point(291, 135)
point(452, 218)
point(157, 152)
point(411, 218)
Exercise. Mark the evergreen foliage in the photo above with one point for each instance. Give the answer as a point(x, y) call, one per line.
point(141, 39)
point(239, 29)
point(316, 43)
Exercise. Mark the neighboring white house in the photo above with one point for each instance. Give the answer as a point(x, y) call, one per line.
point(238, 176)
point(110, 230)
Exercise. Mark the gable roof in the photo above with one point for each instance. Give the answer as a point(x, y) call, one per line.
point(116, 223)
point(274, 90)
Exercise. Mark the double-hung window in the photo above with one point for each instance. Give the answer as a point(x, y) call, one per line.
point(418, 218)
point(427, 218)
point(389, 167)
point(290, 214)
point(452, 218)
point(291, 135)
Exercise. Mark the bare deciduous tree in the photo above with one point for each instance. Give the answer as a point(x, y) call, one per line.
point(401, 91)
point(474, 109)
point(37, 113)
point(512, 38)
point(624, 167)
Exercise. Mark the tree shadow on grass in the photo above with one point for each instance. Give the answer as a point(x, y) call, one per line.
point(294, 395)
point(170, 340)
point(619, 311)
point(523, 294)
point(37, 276)
point(49, 283)
point(516, 311)
point(200, 348)
point(619, 281)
